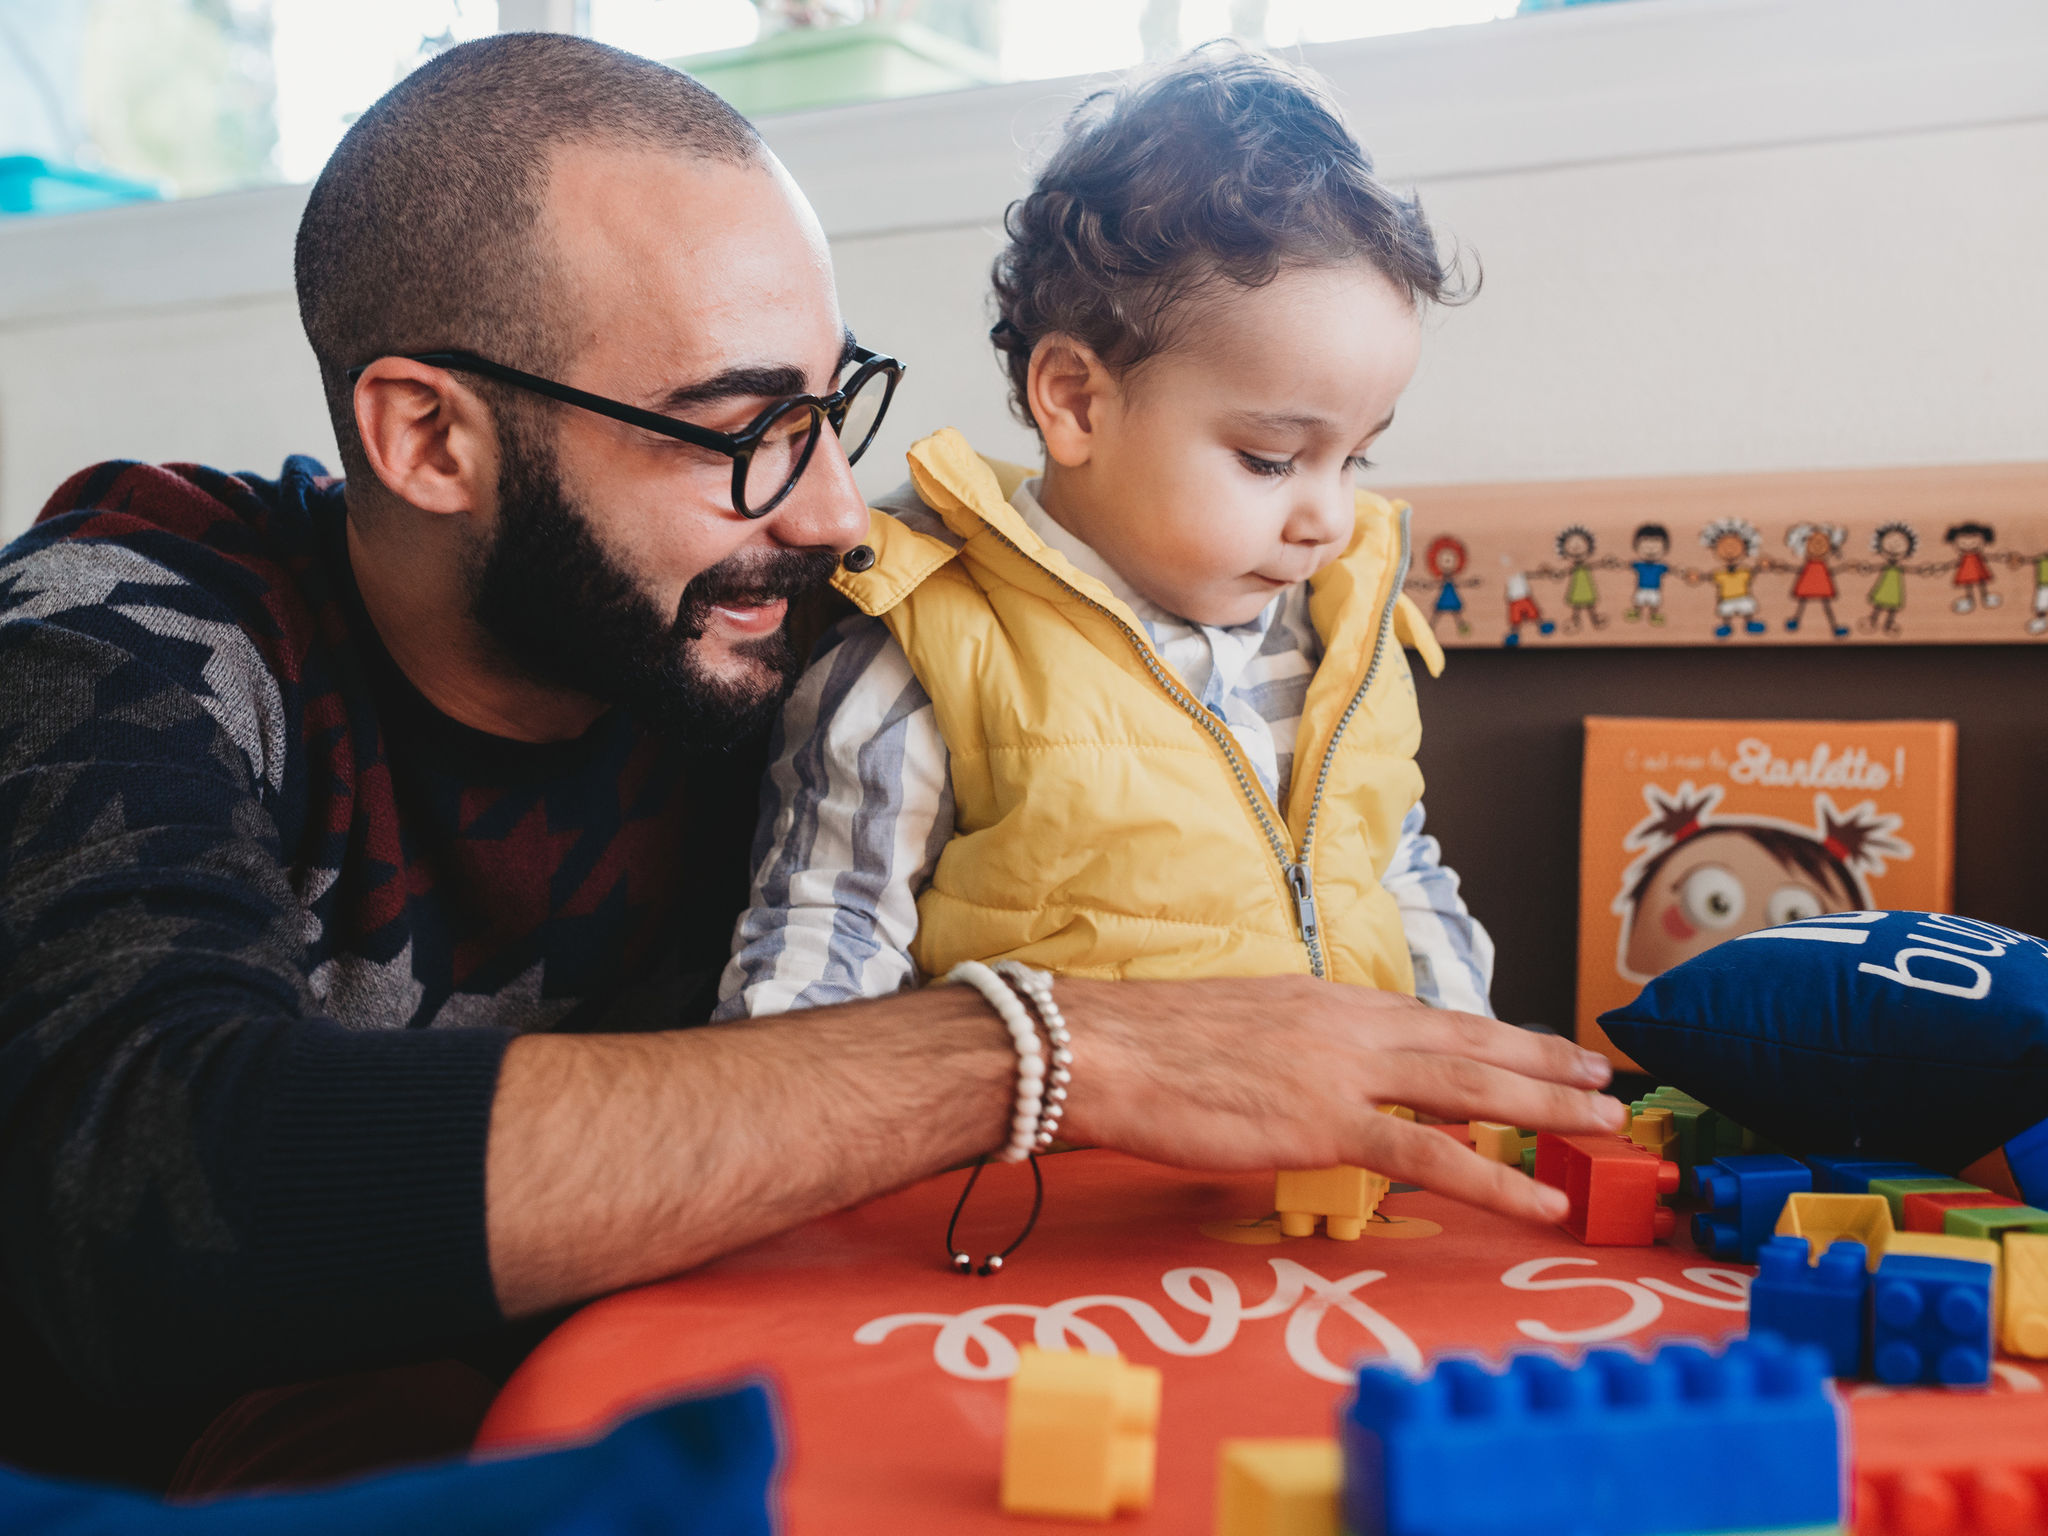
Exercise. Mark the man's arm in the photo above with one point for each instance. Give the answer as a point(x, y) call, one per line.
point(615, 1160)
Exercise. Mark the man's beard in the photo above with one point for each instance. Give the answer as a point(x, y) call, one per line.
point(558, 609)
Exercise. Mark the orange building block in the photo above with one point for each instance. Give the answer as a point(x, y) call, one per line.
point(1613, 1186)
point(1821, 1219)
point(1081, 1441)
point(2023, 1316)
point(1949, 1464)
point(1278, 1488)
point(1924, 1212)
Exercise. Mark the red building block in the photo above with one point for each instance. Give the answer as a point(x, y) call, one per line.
point(1613, 1185)
point(1923, 1212)
point(1949, 1464)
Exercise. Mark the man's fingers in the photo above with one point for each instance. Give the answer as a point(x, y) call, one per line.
point(1529, 1052)
point(1459, 1088)
point(1415, 1154)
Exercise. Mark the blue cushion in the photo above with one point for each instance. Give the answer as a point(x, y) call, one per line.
point(702, 1467)
point(1902, 1034)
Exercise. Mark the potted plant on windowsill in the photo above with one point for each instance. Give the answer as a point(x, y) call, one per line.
point(828, 53)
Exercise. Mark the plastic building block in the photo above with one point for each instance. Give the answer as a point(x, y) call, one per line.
point(1939, 1245)
point(2023, 1314)
point(1278, 1488)
point(1951, 1463)
point(1501, 1143)
point(1081, 1437)
point(1818, 1303)
point(1344, 1197)
point(1748, 1439)
point(1702, 1134)
point(1654, 1131)
point(1613, 1186)
point(1896, 1190)
point(1821, 1219)
point(1744, 1196)
point(1923, 1212)
point(1930, 1321)
point(1852, 1175)
point(1529, 1160)
point(1994, 1222)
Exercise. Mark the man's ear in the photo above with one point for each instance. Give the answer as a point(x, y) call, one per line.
point(430, 439)
point(1067, 387)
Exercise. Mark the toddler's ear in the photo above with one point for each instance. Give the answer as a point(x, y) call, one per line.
point(1067, 387)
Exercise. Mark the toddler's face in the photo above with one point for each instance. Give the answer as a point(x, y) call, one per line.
point(1222, 470)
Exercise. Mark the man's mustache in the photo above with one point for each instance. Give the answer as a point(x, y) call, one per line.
point(745, 581)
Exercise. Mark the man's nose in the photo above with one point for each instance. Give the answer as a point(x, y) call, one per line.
point(826, 509)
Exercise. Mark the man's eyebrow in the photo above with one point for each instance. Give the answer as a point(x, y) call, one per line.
point(757, 381)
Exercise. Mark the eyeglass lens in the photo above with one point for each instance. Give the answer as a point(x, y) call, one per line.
point(862, 414)
point(784, 451)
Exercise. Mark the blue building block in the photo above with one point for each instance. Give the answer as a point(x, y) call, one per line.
point(1819, 1304)
point(1930, 1321)
point(1748, 1439)
point(1852, 1175)
point(1744, 1195)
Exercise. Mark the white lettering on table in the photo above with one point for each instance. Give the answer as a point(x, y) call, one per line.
point(970, 1347)
point(1826, 767)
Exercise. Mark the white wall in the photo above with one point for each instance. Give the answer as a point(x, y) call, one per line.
point(1718, 235)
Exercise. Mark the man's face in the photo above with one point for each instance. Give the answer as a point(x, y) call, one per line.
point(615, 565)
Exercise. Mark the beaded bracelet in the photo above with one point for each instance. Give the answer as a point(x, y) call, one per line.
point(1025, 1114)
point(1037, 986)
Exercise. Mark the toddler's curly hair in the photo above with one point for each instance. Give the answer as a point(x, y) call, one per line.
point(1224, 166)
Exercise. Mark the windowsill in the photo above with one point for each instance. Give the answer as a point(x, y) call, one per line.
point(1644, 79)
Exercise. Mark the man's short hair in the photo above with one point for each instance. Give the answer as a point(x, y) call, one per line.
point(424, 231)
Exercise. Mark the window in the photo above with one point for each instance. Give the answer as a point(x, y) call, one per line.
point(109, 100)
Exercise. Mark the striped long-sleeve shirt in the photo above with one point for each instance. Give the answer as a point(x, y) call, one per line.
point(859, 802)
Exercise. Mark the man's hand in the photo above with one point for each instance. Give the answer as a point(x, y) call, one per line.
point(619, 1159)
point(1289, 1073)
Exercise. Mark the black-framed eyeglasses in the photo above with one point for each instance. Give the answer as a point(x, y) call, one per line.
point(769, 455)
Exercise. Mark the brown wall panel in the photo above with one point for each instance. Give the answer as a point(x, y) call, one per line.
point(1501, 745)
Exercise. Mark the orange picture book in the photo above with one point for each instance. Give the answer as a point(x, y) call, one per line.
point(1694, 831)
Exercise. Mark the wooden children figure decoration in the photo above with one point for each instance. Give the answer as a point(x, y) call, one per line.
point(1816, 546)
point(1575, 547)
point(1735, 546)
point(1894, 544)
point(1973, 573)
point(1446, 558)
point(1651, 546)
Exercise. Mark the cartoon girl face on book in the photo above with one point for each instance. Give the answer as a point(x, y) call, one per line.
point(1702, 879)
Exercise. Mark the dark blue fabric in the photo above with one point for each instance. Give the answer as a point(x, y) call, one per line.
point(1903, 1034)
point(703, 1467)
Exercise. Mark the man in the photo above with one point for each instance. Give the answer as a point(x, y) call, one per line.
point(368, 839)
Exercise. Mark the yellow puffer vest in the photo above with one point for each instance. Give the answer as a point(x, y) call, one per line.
point(1106, 824)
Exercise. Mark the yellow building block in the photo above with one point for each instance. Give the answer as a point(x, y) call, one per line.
point(1939, 1245)
point(1278, 1488)
point(1344, 1197)
point(2023, 1320)
point(1820, 1219)
point(1081, 1440)
point(1501, 1143)
point(1655, 1130)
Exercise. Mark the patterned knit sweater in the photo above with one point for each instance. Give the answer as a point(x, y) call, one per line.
point(267, 923)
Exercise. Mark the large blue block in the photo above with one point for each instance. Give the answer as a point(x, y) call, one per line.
point(1819, 1304)
point(1749, 1439)
point(1930, 1321)
point(1852, 1175)
point(1744, 1196)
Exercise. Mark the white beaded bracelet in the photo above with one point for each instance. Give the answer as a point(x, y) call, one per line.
point(1037, 986)
point(1025, 1124)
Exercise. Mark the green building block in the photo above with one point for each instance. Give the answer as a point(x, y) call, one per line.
point(1993, 1221)
point(1896, 1190)
point(1703, 1134)
point(1529, 1161)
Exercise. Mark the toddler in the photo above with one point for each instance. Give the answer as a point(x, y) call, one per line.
point(1147, 713)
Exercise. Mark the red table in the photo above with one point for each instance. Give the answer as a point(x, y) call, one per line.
point(891, 1367)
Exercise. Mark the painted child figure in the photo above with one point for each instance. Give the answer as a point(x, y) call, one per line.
point(1146, 713)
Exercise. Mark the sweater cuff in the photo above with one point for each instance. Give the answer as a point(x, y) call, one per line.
point(369, 1224)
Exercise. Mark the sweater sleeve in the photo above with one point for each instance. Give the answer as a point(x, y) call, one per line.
point(205, 1185)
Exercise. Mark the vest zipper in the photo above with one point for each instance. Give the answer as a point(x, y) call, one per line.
point(1300, 882)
